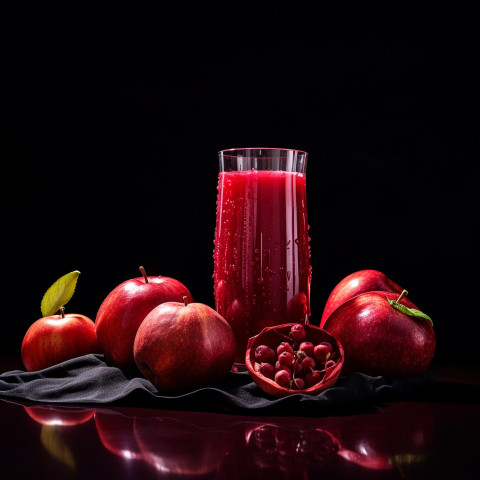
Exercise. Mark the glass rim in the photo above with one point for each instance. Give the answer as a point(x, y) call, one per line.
point(233, 150)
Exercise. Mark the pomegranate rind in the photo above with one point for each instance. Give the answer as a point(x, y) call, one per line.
point(272, 336)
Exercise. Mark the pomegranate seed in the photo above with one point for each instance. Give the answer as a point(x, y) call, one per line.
point(312, 378)
point(264, 353)
point(298, 368)
point(282, 377)
point(307, 347)
point(322, 351)
point(279, 366)
point(297, 332)
point(284, 347)
point(268, 370)
point(308, 363)
point(299, 383)
point(287, 359)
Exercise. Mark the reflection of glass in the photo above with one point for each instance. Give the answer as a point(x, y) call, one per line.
point(262, 256)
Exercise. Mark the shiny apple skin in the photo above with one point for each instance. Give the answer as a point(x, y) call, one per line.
point(124, 309)
point(380, 340)
point(180, 347)
point(354, 284)
point(52, 340)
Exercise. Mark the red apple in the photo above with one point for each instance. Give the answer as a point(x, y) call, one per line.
point(355, 284)
point(59, 415)
point(379, 338)
point(54, 339)
point(182, 346)
point(124, 309)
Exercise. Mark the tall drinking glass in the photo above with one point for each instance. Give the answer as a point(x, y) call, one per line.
point(262, 267)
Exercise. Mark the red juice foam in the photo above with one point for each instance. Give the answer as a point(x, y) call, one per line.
point(262, 267)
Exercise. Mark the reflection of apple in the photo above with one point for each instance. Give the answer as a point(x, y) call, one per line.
point(116, 433)
point(57, 338)
point(399, 435)
point(222, 297)
point(59, 415)
point(297, 308)
point(380, 339)
point(124, 309)
point(177, 447)
point(182, 346)
point(355, 284)
point(236, 318)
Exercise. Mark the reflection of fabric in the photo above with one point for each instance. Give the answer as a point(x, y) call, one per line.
point(88, 380)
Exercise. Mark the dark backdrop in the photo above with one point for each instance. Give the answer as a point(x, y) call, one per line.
point(113, 121)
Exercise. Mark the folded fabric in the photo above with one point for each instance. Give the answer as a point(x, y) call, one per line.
point(89, 380)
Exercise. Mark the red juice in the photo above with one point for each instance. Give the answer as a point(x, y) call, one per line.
point(262, 267)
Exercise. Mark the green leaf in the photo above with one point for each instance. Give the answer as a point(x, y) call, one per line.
point(59, 293)
point(413, 312)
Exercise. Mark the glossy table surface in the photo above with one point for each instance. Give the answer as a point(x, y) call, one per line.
point(420, 438)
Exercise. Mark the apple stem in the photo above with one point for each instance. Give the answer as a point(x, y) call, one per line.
point(144, 273)
point(403, 294)
point(62, 312)
point(185, 300)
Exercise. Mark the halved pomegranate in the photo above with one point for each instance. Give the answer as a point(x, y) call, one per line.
point(279, 372)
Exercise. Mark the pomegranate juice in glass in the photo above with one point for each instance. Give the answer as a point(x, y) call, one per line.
point(262, 267)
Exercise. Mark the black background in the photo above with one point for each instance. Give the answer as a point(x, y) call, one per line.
point(113, 121)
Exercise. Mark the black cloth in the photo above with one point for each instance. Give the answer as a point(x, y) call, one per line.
point(89, 380)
